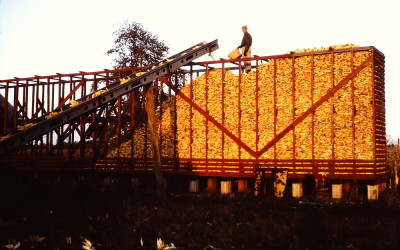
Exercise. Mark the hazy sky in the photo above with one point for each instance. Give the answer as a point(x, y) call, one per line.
point(43, 37)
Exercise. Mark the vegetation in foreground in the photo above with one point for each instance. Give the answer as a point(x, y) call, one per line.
point(124, 217)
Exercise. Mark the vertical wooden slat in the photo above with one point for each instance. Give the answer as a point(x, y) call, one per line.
point(41, 100)
point(175, 118)
point(82, 122)
point(62, 93)
point(6, 108)
point(372, 82)
point(353, 127)
point(25, 102)
point(144, 106)
point(223, 109)
point(95, 87)
point(239, 108)
point(33, 98)
point(332, 105)
point(206, 135)
point(59, 130)
point(16, 103)
point(313, 113)
point(107, 114)
point(72, 135)
point(132, 122)
point(51, 107)
point(293, 110)
point(156, 95)
point(48, 110)
point(43, 111)
point(275, 114)
point(119, 125)
point(191, 114)
point(257, 107)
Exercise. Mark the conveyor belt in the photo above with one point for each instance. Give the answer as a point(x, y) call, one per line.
point(42, 126)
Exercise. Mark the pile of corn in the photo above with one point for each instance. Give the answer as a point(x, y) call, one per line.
point(140, 145)
point(326, 134)
point(342, 46)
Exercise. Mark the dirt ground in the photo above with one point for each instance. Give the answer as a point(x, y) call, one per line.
point(47, 212)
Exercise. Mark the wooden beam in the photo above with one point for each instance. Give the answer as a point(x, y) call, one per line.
point(155, 143)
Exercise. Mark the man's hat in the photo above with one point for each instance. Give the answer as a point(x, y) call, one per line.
point(244, 26)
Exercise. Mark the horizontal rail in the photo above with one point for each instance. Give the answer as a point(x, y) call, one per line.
point(241, 168)
point(56, 78)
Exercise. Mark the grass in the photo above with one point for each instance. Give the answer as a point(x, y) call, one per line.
point(120, 217)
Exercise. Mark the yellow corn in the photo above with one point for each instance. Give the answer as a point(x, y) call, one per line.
point(74, 103)
point(124, 80)
point(5, 137)
point(98, 93)
point(25, 126)
point(52, 114)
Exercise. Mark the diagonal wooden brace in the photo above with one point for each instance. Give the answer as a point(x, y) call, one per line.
point(70, 94)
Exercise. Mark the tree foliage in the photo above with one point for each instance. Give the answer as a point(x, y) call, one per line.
point(392, 156)
point(136, 47)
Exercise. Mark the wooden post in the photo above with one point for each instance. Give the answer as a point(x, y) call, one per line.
point(211, 184)
point(226, 187)
point(193, 186)
point(373, 192)
point(297, 190)
point(155, 143)
point(337, 191)
point(242, 186)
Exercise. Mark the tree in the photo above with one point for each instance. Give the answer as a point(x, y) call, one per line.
point(393, 157)
point(136, 47)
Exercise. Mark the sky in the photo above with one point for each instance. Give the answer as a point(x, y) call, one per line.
point(44, 37)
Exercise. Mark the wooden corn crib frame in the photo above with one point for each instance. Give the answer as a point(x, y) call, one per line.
point(307, 113)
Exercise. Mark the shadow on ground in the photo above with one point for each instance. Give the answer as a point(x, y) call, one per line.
point(59, 213)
